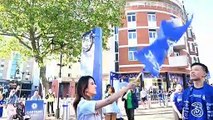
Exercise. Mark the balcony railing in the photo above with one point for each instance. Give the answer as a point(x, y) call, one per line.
point(181, 44)
point(178, 61)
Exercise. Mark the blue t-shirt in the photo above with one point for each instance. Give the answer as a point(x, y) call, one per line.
point(177, 99)
point(198, 103)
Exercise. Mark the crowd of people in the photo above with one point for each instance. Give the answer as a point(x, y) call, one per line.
point(15, 106)
point(193, 103)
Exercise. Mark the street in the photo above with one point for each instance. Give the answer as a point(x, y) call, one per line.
point(154, 114)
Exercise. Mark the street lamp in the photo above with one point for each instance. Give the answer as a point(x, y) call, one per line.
point(59, 75)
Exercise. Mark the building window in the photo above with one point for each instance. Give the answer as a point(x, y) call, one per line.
point(151, 17)
point(116, 46)
point(191, 46)
point(70, 66)
point(131, 54)
point(189, 33)
point(152, 35)
point(116, 30)
point(196, 49)
point(116, 37)
point(69, 75)
point(116, 57)
point(195, 59)
point(116, 66)
point(131, 17)
point(131, 34)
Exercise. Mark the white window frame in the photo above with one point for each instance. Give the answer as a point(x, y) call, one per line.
point(132, 32)
point(132, 54)
point(151, 17)
point(153, 32)
point(131, 16)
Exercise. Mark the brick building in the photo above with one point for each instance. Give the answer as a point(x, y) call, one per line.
point(140, 28)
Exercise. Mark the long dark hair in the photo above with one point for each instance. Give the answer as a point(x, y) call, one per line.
point(82, 85)
point(107, 87)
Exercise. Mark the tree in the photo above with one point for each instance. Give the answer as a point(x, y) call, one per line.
point(47, 27)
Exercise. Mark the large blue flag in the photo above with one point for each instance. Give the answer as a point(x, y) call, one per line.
point(154, 55)
point(91, 58)
point(172, 31)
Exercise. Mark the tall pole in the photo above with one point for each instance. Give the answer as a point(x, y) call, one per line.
point(21, 84)
point(59, 75)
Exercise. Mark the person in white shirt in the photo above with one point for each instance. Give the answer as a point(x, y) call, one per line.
point(143, 95)
point(111, 110)
point(88, 109)
point(36, 96)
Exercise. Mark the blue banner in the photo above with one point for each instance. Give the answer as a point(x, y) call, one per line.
point(91, 58)
point(154, 55)
point(35, 109)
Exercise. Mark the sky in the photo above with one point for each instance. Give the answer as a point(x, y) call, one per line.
point(202, 25)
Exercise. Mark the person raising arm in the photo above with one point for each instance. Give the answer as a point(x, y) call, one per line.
point(88, 109)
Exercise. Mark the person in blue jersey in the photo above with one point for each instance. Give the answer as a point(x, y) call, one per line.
point(176, 99)
point(2, 102)
point(88, 109)
point(198, 98)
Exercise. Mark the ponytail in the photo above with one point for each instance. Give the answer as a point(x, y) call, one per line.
point(75, 103)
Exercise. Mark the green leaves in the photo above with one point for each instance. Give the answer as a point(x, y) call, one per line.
point(9, 45)
point(40, 24)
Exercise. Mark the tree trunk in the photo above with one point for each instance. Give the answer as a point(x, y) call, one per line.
point(44, 82)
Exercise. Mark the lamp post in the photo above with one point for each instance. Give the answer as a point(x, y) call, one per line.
point(21, 83)
point(59, 75)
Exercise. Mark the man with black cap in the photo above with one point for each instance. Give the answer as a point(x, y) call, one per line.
point(198, 98)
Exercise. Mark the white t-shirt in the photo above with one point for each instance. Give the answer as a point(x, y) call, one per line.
point(86, 110)
point(111, 108)
point(143, 94)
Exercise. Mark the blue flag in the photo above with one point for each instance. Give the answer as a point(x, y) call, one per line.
point(154, 55)
point(173, 32)
point(91, 58)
